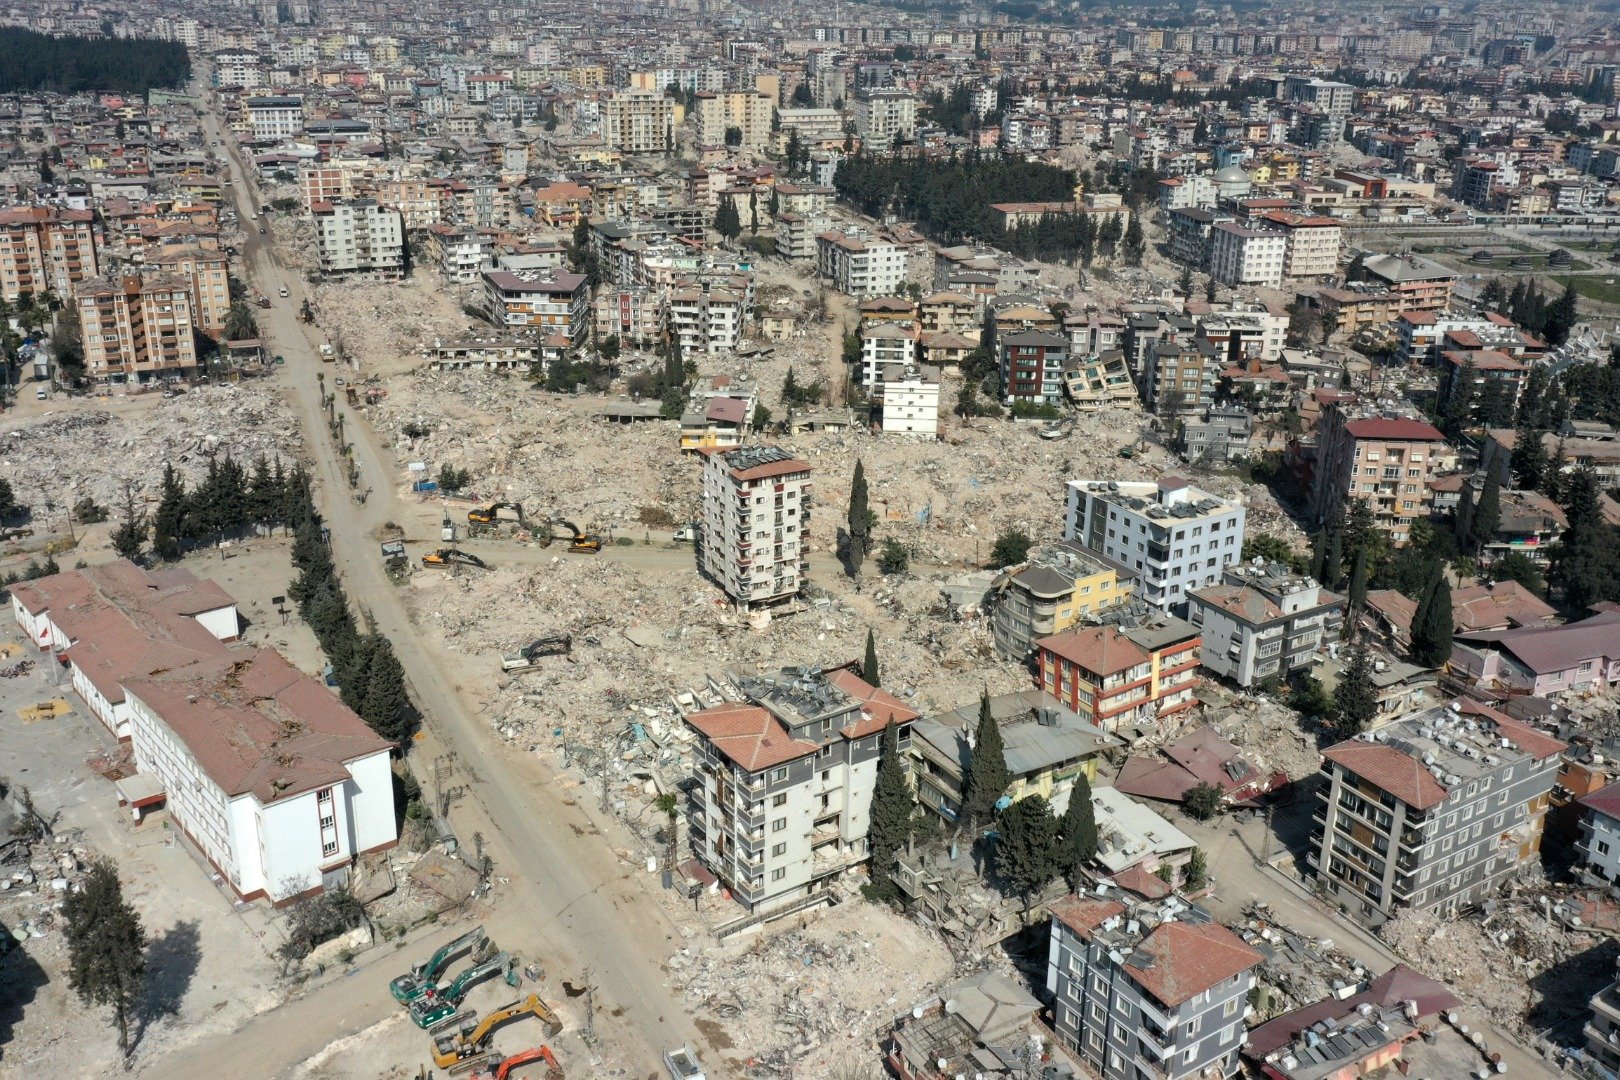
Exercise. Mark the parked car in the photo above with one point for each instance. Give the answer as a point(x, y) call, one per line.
point(284, 291)
point(42, 394)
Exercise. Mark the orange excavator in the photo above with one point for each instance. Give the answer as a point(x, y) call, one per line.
point(472, 1039)
point(523, 1057)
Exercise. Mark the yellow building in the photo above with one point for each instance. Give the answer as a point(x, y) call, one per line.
point(1059, 586)
point(588, 76)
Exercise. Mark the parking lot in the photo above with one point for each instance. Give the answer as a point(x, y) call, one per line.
point(209, 964)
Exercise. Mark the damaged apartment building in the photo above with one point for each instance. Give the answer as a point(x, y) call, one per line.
point(785, 767)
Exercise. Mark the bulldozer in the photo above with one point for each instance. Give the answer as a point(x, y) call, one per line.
point(519, 1059)
point(501, 511)
point(436, 1006)
point(559, 644)
point(446, 556)
point(424, 974)
point(473, 1039)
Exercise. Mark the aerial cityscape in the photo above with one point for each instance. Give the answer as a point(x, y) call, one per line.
point(698, 540)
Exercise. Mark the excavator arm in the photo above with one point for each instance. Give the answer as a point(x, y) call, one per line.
point(464, 982)
point(435, 965)
point(529, 1057)
point(447, 1050)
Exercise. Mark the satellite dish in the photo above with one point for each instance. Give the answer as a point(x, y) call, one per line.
point(916, 1012)
point(950, 1007)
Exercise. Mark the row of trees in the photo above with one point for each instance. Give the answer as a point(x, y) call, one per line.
point(1527, 305)
point(71, 64)
point(949, 199)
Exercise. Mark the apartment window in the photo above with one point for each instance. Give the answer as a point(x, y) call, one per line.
point(779, 774)
point(779, 850)
point(779, 800)
point(779, 873)
point(329, 848)
point(779, 824)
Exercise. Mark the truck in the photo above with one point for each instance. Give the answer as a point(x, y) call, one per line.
point(683, 1064)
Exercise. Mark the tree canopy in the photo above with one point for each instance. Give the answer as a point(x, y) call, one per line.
point(72, 64)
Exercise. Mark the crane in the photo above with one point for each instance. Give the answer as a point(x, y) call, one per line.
point(521, 1058)
point(424, 974)
point(473, 1040)
point(437, 1005)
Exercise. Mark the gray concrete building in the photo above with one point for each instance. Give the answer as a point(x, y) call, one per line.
point(1432, 811)
point(1262, 622)
point(1152, 989)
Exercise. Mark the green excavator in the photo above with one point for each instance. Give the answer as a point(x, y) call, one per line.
point(424, 976)
point(437, 1006)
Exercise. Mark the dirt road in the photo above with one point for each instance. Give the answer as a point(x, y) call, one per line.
point(571, 901)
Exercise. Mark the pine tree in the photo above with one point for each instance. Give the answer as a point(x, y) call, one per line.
point(353, 674)
point(1358, 591)
point(859, 519)
point(169, 523)
point(106, 947)
point(891, 816)
point(987, 777)
point(869, 667)
point(1027, 846)
point(130, 535)
point(1487, 516)
point(1561, 316)
point(1355, 700)
point(1459, 405)
point(1529, 463)
point(1516, 301)
point(1135, 244)
point(1078, 831)
point(386, 699)
point(727, 222)
point(1184, 285)
point(1431, 637)
point(1494, 295)
point(674, 366)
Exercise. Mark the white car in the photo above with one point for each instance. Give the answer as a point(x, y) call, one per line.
point(284, 291)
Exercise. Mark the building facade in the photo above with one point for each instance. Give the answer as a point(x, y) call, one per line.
point(756, 510)
point(859, 263)
point(136, 328)
point(45, 249)
point(639, 122)
point(359, 236)
point(1387, 460)
point(552, 301)
point(1125, 675)
point(1262, 623)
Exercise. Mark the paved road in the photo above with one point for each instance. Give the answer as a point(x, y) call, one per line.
point(570, 902)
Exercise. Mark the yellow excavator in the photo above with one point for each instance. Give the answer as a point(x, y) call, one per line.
point(446, 556)
point(473, 1038)
point(488, 515)
point(586, 543)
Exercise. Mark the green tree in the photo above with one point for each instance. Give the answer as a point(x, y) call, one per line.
point(1487, 514)
point(608, 348)
point(452, 479)
point(9, 506)
point(385, 706)
point(1202, 801)
point(987, 777)
point(1027, 851)
point(1197, 872)
point(1011, 548)
point(869, 666)
point(1078, 831)
point(1358, 591)
point(1561, 316)
point(893, 557)
point(1516, 566)
point(1272, 549)
point(859, 518)
point(169, 523)
point(1432, 624)
point(1494, 295)
point(1355, 699)
point(1135, 244)
point(727, 222)
point(1529, 463)
point(1184, 284)
point(891, 817)
point(106, 947)
point(240, 322)
point(1308, 698)
point(1459, 404)
point(130, 535)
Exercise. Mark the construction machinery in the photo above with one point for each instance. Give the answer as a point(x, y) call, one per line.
point(501, 511)
point(523, 1057)
point(438, 1005)
point(473, 1039)
point(558, 644)
point(446, 556)
point(424, 974)
point(587, 543)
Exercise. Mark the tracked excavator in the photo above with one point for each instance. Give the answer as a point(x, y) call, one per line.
point(446, 556)
point(501, 511)
point(424, 974)
point(473, 1039)
point(437, 1006)
point(523, 1057)
point(586, 543)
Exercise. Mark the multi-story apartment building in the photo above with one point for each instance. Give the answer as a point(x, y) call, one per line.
point(1387, 460)
point(1262, 623)
point(275, 117)
point(556, 302)
point(45, 248)
point(1239, 255)
point(707, 320)
point(1312, 243)
point(1189, 229)
point(910, 400)
point(1031, 364)
point(860, 263)
point(209, 275)
point(1154, 989)
point(332, 180)
point(461, 252)
point(136, 328)
point(1124, 673)
point(1058, 586)
point(785, 772)
point(1603, 1030)
point(884, 115)
point(1414, 283)
point(420, 201)
point(1599, 848)
point(1433, 811)
point(756, 512)
point(1179, 378)
point(796, 234)
point(639, 122)
point(748, 111)
point(1173, 536)
point(884, 343)
point(359, 236)
point(1333, 98)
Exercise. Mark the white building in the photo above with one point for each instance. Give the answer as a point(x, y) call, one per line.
point(1599, 846)
point(860, 263)
point(639, 122)
point(275, 117)
point(883, 115)
point(359, 236)
point(910, 398)
point(707, 320)
point(236, 67)
point(1244, 256)
point(756, 503)
point(551, 301)
point(278, 783)
point(783, 796)
point(884, 344)
point(1176, 537)
point(1262, 622)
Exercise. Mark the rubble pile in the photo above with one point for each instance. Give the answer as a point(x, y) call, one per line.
point(800, 1002)
point(60, 458)
point(35, 877)
point(1521, 958)
point(1298, 970)
point(1267, 731)
point(385, 326)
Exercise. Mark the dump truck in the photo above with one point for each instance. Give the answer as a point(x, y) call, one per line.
point(424, 974)
point(558, 644)
point(437, 1005)
point(446, 556)
point(473, 1039)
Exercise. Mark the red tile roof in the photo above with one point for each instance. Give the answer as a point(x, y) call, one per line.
point(878, 707)
point(1402, 775)
point(1083, 914)
point(749, 736)
point(1394, 428)
point(1397, 985)
point(1186, 960)
point(1102, 650)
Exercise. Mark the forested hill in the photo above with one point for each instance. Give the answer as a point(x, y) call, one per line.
point(67, 65)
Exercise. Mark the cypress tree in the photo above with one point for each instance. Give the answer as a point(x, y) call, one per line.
point(1078, 831)
point(1358, 591)
point(1027, 845)
point(1355, 700)
point(1431, 626)
point(1487, 513)
point(869, 667)
point(169, 523)
point(987, 777)
point(890, 817)
point(859, 520)
point(386, 699)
